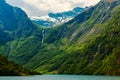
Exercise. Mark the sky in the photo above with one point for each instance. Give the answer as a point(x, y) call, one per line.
point(43, 7)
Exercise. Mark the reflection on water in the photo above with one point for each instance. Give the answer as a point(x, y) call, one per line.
point(61, 77)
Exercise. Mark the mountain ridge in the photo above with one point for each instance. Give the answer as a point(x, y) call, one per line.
point(53, 19)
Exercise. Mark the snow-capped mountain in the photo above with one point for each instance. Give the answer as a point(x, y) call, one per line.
point(53, 19)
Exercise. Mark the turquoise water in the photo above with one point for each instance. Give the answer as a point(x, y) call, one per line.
point(61, 77)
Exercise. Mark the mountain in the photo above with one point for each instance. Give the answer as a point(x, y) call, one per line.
point(14, 21)
point(53, 19)
point(87, 44)
point(13, 25)
point(17, 31)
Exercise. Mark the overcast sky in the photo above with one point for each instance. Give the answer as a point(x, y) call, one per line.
point(42, 7)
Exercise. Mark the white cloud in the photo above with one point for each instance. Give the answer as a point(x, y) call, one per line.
point(42, 7)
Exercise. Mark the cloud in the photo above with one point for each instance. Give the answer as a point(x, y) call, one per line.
point(42, 7)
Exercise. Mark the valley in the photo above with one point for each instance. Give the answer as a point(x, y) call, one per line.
point(88, 44)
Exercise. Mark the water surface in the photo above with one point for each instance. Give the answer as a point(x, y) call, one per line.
point(61, 77)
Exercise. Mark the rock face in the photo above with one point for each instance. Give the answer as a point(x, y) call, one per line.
point(53, 19)
point(87, 44)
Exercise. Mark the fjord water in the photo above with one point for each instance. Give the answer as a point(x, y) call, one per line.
point(61, 77)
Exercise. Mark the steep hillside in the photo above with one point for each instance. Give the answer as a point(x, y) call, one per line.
point(14, 25)
point(9, 68)
point(17, 34)
point(88, 44)
point(14, 21)
point(98, 53)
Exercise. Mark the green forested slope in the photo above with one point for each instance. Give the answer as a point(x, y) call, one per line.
point(17, 33)
point(98, 55)
point(94, 52)
point(9, 68)
point(15, 26)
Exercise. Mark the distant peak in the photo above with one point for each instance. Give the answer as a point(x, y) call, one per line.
point(78, 9)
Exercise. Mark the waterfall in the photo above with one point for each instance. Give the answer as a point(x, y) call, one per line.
point(43, 35)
